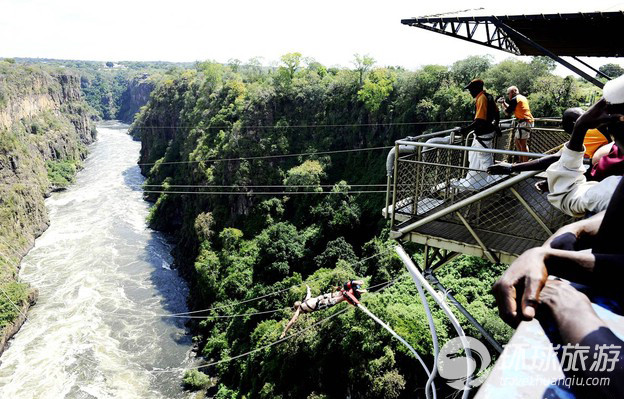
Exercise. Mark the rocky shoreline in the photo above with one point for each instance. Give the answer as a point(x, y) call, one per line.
point(10, 330)
point(45, 128)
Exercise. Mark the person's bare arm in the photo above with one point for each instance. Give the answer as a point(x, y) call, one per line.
point(291, 322)
point(536, 164)
point(583, 229)
point(578, 324)
point(524, 279)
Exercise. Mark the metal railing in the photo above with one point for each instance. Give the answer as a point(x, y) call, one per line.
point(433, 187)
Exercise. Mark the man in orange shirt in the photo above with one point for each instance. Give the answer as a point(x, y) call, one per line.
point(485, 124)
point(519, 106)
point(485, 127)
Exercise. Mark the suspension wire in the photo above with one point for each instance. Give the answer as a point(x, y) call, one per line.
point(230, 316)
point(253, 158)
point(266, 192)
point(312, 126)
point(182, 316)
point(12, 249)
point(279, 341)
point(242, 185)
point(275, 292)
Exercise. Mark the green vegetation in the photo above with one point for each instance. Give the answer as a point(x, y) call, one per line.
point(61, 173)
point(18, 295)
point(107, 86)
point(44, 129)
point(195, 380)
point(611, 70)
point(238, 247)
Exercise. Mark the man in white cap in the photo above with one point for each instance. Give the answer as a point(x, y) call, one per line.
point(569, 189)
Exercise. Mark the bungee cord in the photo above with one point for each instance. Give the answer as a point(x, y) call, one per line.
point(430, 374)
point(420, 280)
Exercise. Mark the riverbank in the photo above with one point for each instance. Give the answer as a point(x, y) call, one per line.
point(106, 289)
point(45, 128)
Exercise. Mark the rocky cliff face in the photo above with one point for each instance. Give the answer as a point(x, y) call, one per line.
point(134, 97)
point(45, 127)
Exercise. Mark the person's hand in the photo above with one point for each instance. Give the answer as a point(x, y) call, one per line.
point(500, 169)
point(594, 117)
point(571, 310)
point(542, 186)
point(561, 297)
point(521, 285)
point(597, 115)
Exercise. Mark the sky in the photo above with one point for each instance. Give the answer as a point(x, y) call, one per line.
point(330, 31)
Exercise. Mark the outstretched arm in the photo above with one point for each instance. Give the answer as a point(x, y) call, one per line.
point(535, 164)
point(291, 322)
point(476, 124)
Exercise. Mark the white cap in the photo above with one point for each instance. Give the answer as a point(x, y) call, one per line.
point(613, 91)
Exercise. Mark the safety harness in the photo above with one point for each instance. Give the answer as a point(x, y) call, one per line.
point(351, 293)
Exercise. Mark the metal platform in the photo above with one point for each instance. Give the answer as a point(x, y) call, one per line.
point(456, 238)
point(438, 200)
point(501, 222)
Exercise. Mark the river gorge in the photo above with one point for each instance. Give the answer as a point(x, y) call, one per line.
point(100, 327)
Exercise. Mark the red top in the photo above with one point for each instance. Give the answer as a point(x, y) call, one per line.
point(611, 164)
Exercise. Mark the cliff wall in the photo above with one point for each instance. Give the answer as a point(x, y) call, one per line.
point(45, 127)
point(135, 96)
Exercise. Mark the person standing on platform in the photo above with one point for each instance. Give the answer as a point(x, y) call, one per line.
point(518, 105)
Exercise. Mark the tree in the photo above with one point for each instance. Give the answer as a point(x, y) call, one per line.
point(377, 87)
point(279, 246)
point(363, 63)
point(292, 62)
point(611, 70)
point(305, 177)
point(517, 73)
point(234, 63)
point(463, 71)
point(109, 64)
point(336, 250)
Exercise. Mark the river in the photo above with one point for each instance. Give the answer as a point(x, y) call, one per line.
point(104, 282)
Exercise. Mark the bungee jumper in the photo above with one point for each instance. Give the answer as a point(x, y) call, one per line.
point(350, 292)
